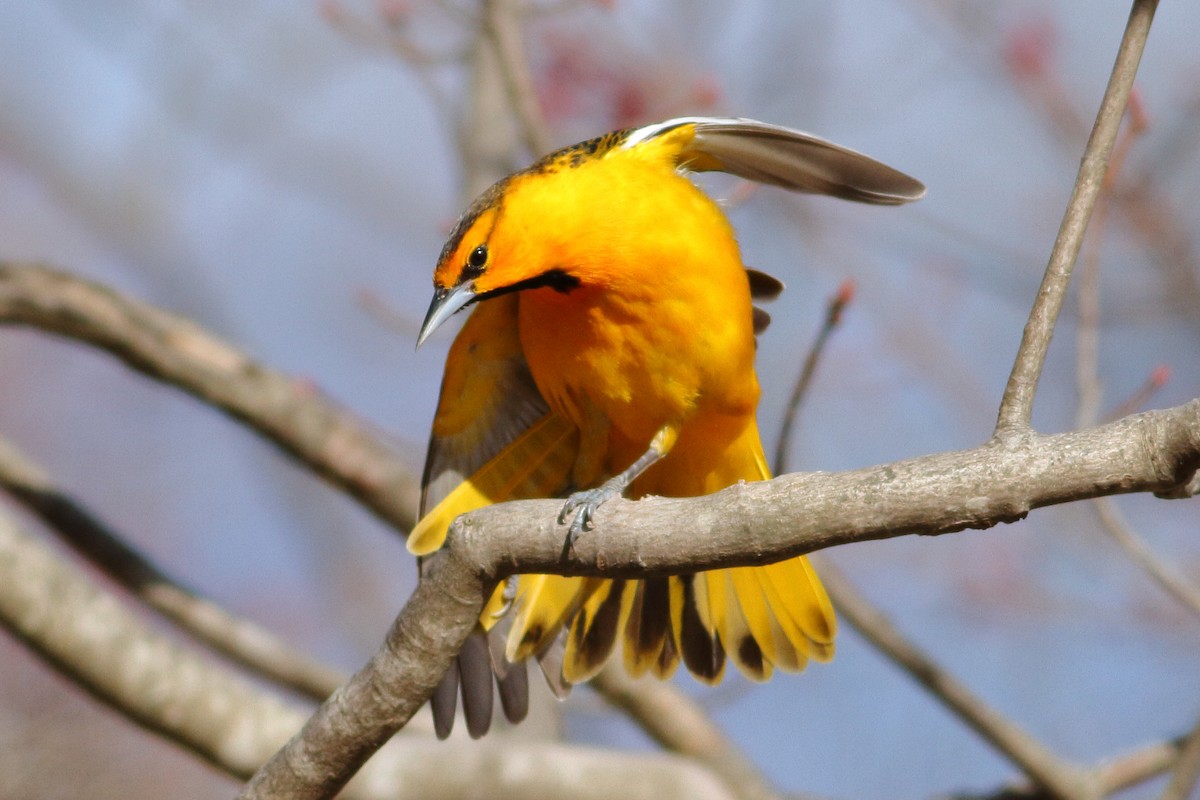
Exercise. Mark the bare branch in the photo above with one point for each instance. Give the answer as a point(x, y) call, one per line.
point(833, 317)
point(90, 637)
point(1087, 379)
point(1135, 546)
point(241, 640)
point(677, 723)
point(744, 525)
point(328, 439)
point(1053, 775)
point(364, 712)
point(1117, 774)
point(503, 29)
point(1016, 407)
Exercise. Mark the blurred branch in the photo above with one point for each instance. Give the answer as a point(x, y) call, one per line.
point(1087, 378)
point(1110, 776)
point(1187, 768)
point(329, 440)
point(502, 28)
point(238, 639)
point(91, 638)
point(1057, 778)
point(1016, 407)
point(1025, 55)
point(1122, 772)
point(1141, 397)
point(1136, 547)
point(677, 723)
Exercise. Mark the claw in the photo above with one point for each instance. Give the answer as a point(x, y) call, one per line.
point(583, 505)
point(508, 597)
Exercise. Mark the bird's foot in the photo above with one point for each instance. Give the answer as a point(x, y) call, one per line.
point(584, 504)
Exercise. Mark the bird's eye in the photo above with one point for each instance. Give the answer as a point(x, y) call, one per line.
point(478, 258)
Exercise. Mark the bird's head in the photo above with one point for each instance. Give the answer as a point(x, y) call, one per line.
point(491, 251)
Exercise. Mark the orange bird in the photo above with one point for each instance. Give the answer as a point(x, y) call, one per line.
point(611, 351)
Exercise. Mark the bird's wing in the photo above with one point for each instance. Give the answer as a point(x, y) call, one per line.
point(493, 436)
point(493, 439)
point(780, 156)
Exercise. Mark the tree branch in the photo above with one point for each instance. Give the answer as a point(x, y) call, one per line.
point(238, 639)
point(326, 438)
point(91, 638)
point(744, 525)
point(364, 712)
point(501, 25)
point(1016, 407)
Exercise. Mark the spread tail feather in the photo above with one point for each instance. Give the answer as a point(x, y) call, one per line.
point(761, 618)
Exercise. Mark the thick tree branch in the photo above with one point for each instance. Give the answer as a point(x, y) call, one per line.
point(364, 712)
point(1016, 407)
point(744, 525)
point(758, 523)
point(238, 639)
point(90, 637)
point(328, 439)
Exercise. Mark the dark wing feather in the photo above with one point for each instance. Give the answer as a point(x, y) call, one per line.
point(485, 372)
point(792, 159)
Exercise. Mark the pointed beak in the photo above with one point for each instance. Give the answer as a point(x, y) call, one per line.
point(445, 303)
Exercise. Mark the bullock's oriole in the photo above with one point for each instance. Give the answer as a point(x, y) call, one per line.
point(610, 351)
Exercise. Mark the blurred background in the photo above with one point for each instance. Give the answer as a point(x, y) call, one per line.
point(284, 173)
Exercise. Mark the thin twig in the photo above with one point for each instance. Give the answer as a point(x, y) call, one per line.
point(1143, 394)
point(503, 29)
point(1122, 772)
point(833, 317)
point(1140, 552)
point(238, 639)
point(1016, 407)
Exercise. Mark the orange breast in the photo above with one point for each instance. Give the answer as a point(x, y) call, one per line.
point(658, 332)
